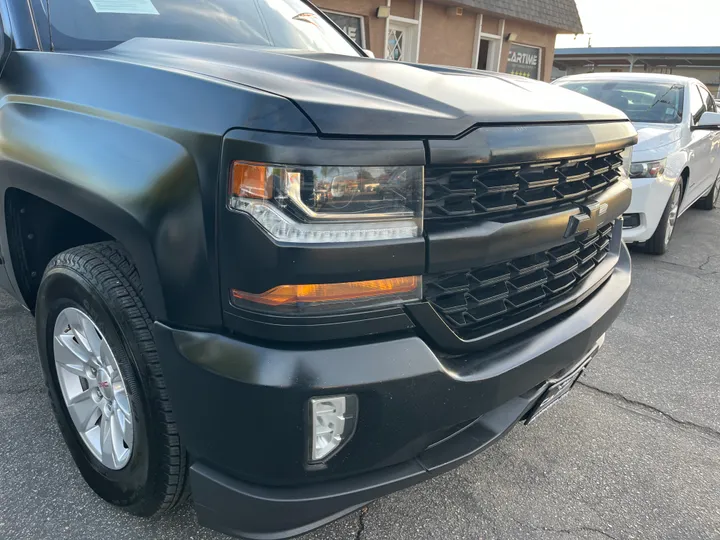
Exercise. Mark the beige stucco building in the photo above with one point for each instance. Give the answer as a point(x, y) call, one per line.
point(513, 36)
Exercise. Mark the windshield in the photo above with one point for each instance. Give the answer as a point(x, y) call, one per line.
point(101, 24)
point(659, 103)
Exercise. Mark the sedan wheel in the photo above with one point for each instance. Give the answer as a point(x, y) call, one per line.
point(672, 215)
point(660, 239)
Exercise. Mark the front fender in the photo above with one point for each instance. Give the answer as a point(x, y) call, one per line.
point(676, 163)
point(139, 187)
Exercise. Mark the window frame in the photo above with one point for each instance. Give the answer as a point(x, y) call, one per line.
point(494, 52)
point(710, 105)
point(695, 117)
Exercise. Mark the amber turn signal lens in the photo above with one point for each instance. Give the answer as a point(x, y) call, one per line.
point(250, 181)
point(331, 292)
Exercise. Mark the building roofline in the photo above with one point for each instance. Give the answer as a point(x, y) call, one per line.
point(560, 15)
point(637, 51)
point(655, 77)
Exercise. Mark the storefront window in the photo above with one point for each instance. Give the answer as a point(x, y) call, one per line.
point(352, 25)
point(524, 61)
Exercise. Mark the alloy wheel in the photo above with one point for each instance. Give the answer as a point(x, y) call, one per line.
point(93, 388)
point(673, 214)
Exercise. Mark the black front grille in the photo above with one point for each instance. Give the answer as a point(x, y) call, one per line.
point(480, 192)
point(481, 300)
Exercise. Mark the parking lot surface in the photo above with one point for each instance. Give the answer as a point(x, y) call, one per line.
point(634, 452)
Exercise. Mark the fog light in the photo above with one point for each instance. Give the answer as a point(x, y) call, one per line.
point(630, 221)
point(332, 424)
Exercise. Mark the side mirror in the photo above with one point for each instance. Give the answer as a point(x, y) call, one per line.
point(369, 53)
point(709, 120)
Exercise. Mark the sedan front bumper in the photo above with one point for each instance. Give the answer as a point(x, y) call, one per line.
point(649, 199)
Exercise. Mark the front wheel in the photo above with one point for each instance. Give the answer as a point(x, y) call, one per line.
point(658, 244)
point(104, 379)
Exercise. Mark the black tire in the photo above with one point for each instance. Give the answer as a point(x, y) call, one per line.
point(100, 280)
point(709, 201)
point(658, 244)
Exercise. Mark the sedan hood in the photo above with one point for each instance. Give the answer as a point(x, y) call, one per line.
point(656, 141)
point(345, 95)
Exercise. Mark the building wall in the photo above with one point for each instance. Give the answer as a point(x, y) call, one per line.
point(403, 8)
point(490, 24)
point(446, 39)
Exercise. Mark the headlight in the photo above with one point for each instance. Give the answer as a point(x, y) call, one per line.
point(647, 169)
point(329, 204)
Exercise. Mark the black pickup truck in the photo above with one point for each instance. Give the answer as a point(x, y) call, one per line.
point(288, 276)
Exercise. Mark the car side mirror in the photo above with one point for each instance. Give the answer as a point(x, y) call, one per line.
point(369, 53)
point(709, 120)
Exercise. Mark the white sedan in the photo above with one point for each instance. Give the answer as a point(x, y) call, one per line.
point(676, 162)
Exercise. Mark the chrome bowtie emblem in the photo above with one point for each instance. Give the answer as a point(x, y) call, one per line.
point(588, 221)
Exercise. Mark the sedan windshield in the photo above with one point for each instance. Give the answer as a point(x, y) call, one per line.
point(101, 24)
point(658, 103)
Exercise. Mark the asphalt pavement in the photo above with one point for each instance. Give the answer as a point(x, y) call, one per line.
point(633, 453)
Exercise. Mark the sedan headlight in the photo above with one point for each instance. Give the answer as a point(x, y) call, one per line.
point(329, 204)
point(647, 169)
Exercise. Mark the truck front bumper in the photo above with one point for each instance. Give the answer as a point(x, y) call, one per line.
point(241, 413)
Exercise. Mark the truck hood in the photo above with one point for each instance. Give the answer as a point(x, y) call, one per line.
point(345, 95)
point(656, 141)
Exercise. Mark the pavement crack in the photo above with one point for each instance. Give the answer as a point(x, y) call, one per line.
point(29, 390)
point(579, 529)
point(686, 268)
point(583, 528)
point(670, 263)
point(681, 268)
point(707, 261)
point(685, 424)
point(361, 522)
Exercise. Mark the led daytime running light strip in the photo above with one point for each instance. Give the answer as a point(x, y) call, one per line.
point(282, 228)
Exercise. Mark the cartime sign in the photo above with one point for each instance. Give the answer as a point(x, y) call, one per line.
point(524, 61)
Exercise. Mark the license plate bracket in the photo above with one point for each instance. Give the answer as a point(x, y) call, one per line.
point(560, 389)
